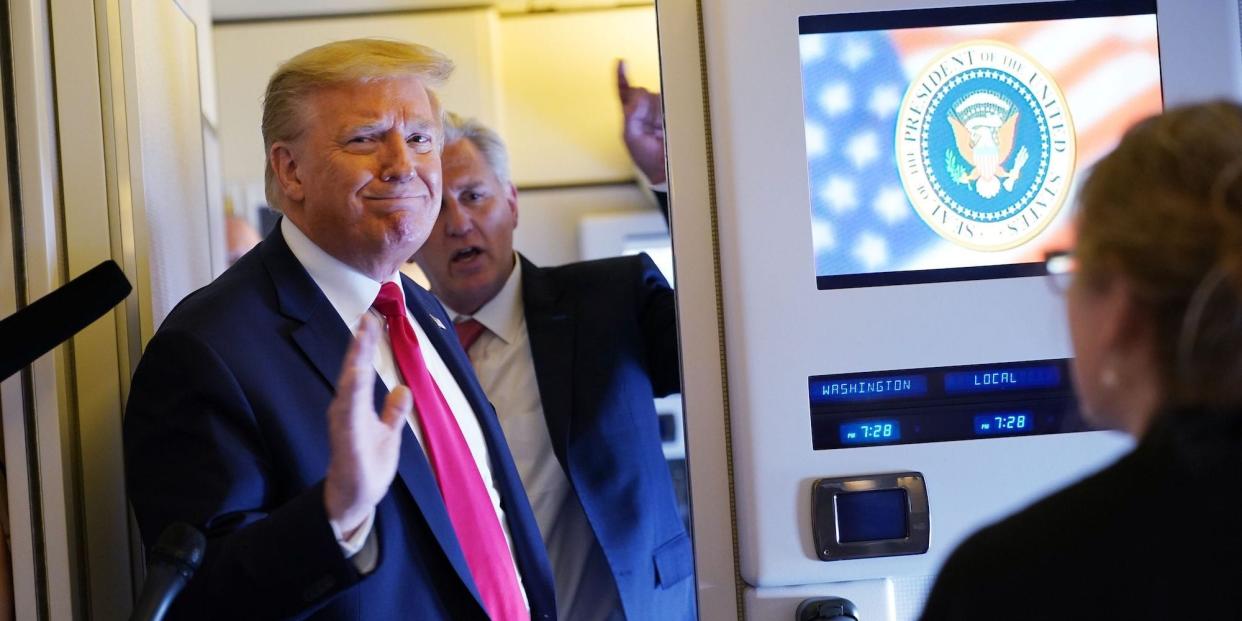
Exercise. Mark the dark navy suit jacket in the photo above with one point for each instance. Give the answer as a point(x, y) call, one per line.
point(226, 429)
point(603, 335)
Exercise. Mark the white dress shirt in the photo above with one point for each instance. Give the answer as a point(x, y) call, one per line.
point(502, 360)
point(351, 293)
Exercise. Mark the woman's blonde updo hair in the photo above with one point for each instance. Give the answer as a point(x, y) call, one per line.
point(1164, 210)
point(340, 62)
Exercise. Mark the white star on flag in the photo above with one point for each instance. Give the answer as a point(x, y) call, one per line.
point(811, 48)
point(884, 101)
point(816, 140)
point(837, 99)
point(863, 149)
point(871, 250)
point(891, 205)
point(821, 232)
point(840, 194)
point(856, 53)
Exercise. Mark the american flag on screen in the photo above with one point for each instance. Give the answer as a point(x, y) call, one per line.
point(861, 219)
point(854, 83)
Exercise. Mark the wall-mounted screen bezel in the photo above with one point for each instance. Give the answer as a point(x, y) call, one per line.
point(833, 274)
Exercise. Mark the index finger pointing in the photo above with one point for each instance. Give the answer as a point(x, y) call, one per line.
point(623, 82)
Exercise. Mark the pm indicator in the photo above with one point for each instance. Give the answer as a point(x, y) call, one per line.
point(1002, 379)
point(1004, 423)
point(870, 432)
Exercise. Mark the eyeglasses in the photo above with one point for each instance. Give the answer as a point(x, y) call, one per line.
point(1059, 267)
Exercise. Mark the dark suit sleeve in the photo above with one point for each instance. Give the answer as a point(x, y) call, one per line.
point(657, 312)
point(195, 453)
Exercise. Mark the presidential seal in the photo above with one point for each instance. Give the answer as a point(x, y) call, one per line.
point(986, 146)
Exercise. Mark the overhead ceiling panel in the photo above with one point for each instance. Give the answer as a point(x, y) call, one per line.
point(242, 10)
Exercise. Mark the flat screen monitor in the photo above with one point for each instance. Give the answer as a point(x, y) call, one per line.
point(948, 144)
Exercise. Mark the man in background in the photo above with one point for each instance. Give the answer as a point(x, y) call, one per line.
point(573, 356)
point(414, 512)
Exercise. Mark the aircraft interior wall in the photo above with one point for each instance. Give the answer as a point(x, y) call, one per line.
point(801, 166)
point(131, 133)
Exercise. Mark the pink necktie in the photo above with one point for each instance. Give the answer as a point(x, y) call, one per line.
point(466, 498)
point(468, 332)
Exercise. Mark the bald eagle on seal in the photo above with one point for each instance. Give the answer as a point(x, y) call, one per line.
point(984, 127)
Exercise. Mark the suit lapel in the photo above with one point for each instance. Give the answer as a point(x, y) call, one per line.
point(323, 338)
point(550, 324)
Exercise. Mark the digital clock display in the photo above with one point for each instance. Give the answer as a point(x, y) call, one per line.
point(943, 404)
point(870, 432)
point(1004, 423)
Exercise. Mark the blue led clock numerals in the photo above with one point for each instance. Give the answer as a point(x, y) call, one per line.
point(878, 431)
point(1003, 423)
point(870, 432)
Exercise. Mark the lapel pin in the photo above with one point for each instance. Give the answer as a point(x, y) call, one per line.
point(437, 320)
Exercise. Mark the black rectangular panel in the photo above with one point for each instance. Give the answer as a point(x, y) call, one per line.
point(872, 516)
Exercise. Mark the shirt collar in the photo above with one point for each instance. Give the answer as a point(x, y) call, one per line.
point(503, 313)
point(349, 291)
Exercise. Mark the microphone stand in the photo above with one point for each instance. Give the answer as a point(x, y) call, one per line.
point(174, 559)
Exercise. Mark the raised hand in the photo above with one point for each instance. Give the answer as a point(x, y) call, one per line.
point(364, 447)
point(642, 126)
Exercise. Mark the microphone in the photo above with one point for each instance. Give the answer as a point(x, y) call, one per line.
point(53, 318)
point(175, 557)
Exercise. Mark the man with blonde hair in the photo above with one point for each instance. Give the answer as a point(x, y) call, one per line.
point(404, 502)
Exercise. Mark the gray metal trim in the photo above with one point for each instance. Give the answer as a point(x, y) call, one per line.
point(32, 501)
point(700, 307)
point(824, 525)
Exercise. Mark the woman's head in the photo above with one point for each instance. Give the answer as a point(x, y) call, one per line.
point(1156, 309)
